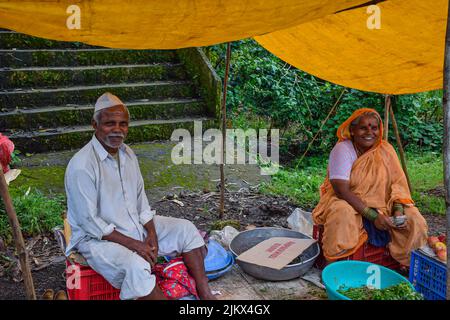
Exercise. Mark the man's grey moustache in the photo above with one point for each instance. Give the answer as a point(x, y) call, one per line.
point(116, 136)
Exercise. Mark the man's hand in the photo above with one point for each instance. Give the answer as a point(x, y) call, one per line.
point(152, 239)
point(144, 250)
point(141, 248)
point(383, 222)
point(153, 245)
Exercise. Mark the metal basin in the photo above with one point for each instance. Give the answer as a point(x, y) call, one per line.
point(248, 239)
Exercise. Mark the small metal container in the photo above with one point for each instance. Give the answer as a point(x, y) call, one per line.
point(399, 220)
point(248, 239)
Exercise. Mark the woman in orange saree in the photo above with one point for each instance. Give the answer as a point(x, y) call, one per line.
point(365, 179)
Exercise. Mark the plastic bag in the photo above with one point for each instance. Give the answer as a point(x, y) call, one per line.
point(224, 236)
point(301, 221)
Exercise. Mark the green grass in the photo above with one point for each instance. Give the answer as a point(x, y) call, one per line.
point(426, 173)
point(37, 213)
point(302, 185)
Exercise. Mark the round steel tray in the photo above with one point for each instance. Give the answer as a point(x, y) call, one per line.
point(248, 239)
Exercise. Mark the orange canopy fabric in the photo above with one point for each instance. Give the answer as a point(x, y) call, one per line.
point(406, 55)
point(160, 24)
point(327, 38)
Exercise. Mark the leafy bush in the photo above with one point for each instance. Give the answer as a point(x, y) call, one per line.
point(263, 87)
point(37, 213)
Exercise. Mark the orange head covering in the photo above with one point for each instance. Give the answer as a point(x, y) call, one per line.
point(343, 132)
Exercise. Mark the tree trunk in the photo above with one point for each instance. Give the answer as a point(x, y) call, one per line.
point(446, 151)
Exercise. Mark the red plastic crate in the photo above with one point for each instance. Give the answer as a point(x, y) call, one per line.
point(92, 286)
point(367, 252)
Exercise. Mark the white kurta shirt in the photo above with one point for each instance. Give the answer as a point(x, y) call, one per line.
point(100, 199)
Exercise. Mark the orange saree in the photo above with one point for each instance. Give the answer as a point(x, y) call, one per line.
point(377, 178)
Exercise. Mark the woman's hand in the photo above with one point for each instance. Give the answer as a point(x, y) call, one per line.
point(398, 214)
point(383, 222)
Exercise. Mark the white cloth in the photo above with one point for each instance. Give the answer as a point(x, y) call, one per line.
point(341, 160)
point(107, 100)
point(99, 200)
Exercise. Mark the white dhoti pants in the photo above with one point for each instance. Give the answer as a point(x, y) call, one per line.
point(128, 271)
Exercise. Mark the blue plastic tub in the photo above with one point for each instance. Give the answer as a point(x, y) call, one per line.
point(218, 261)
point(353, 274)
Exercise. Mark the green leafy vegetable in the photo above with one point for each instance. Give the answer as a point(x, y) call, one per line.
point(400, 291)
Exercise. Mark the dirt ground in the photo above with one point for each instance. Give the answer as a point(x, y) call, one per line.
point(244, 208)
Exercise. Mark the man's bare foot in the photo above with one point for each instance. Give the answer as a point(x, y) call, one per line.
point(205, 294)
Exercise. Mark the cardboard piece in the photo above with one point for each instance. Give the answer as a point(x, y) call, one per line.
point(275, 252)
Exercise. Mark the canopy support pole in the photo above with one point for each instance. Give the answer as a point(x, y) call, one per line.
point(446, 147)
point(387, 106)
point(224, 128)
point(400, 146)
point(18, 238)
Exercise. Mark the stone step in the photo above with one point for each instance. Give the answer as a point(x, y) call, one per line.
point(82, 57)
point(20, 99)
point(64, 138)
point(16, 40)
point(72, 115)
point(54, 77)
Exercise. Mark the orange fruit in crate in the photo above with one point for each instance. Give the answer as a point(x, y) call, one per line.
point(442, 255)
point(439, 246)
point(432, 241)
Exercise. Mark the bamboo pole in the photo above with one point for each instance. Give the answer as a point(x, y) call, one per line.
point(224, 128)
point(18, 239)
point(446, 148)
point(387, 106)
point(400, 146)
point(321, 126)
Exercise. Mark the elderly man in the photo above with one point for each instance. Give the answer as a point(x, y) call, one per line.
point(113, 226)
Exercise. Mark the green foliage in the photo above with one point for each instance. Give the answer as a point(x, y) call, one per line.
point(37, 213)
point(264, 87)
point(15, 159)
point(401, 291)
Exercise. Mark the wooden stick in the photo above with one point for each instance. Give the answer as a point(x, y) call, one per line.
point(18, 239)
point(387, 106)
point(224, 128)
point(320, 129)
point(446, 148)
point(400, 146)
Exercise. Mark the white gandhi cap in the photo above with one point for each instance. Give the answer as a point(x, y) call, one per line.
point(107, 100)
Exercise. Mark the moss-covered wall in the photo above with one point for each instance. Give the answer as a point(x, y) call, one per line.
point(200, 69)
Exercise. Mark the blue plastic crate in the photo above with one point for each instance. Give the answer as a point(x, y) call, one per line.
point(428, 276)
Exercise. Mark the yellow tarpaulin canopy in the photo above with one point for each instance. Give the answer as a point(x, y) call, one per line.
point(160, 24)
point(404, 56)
